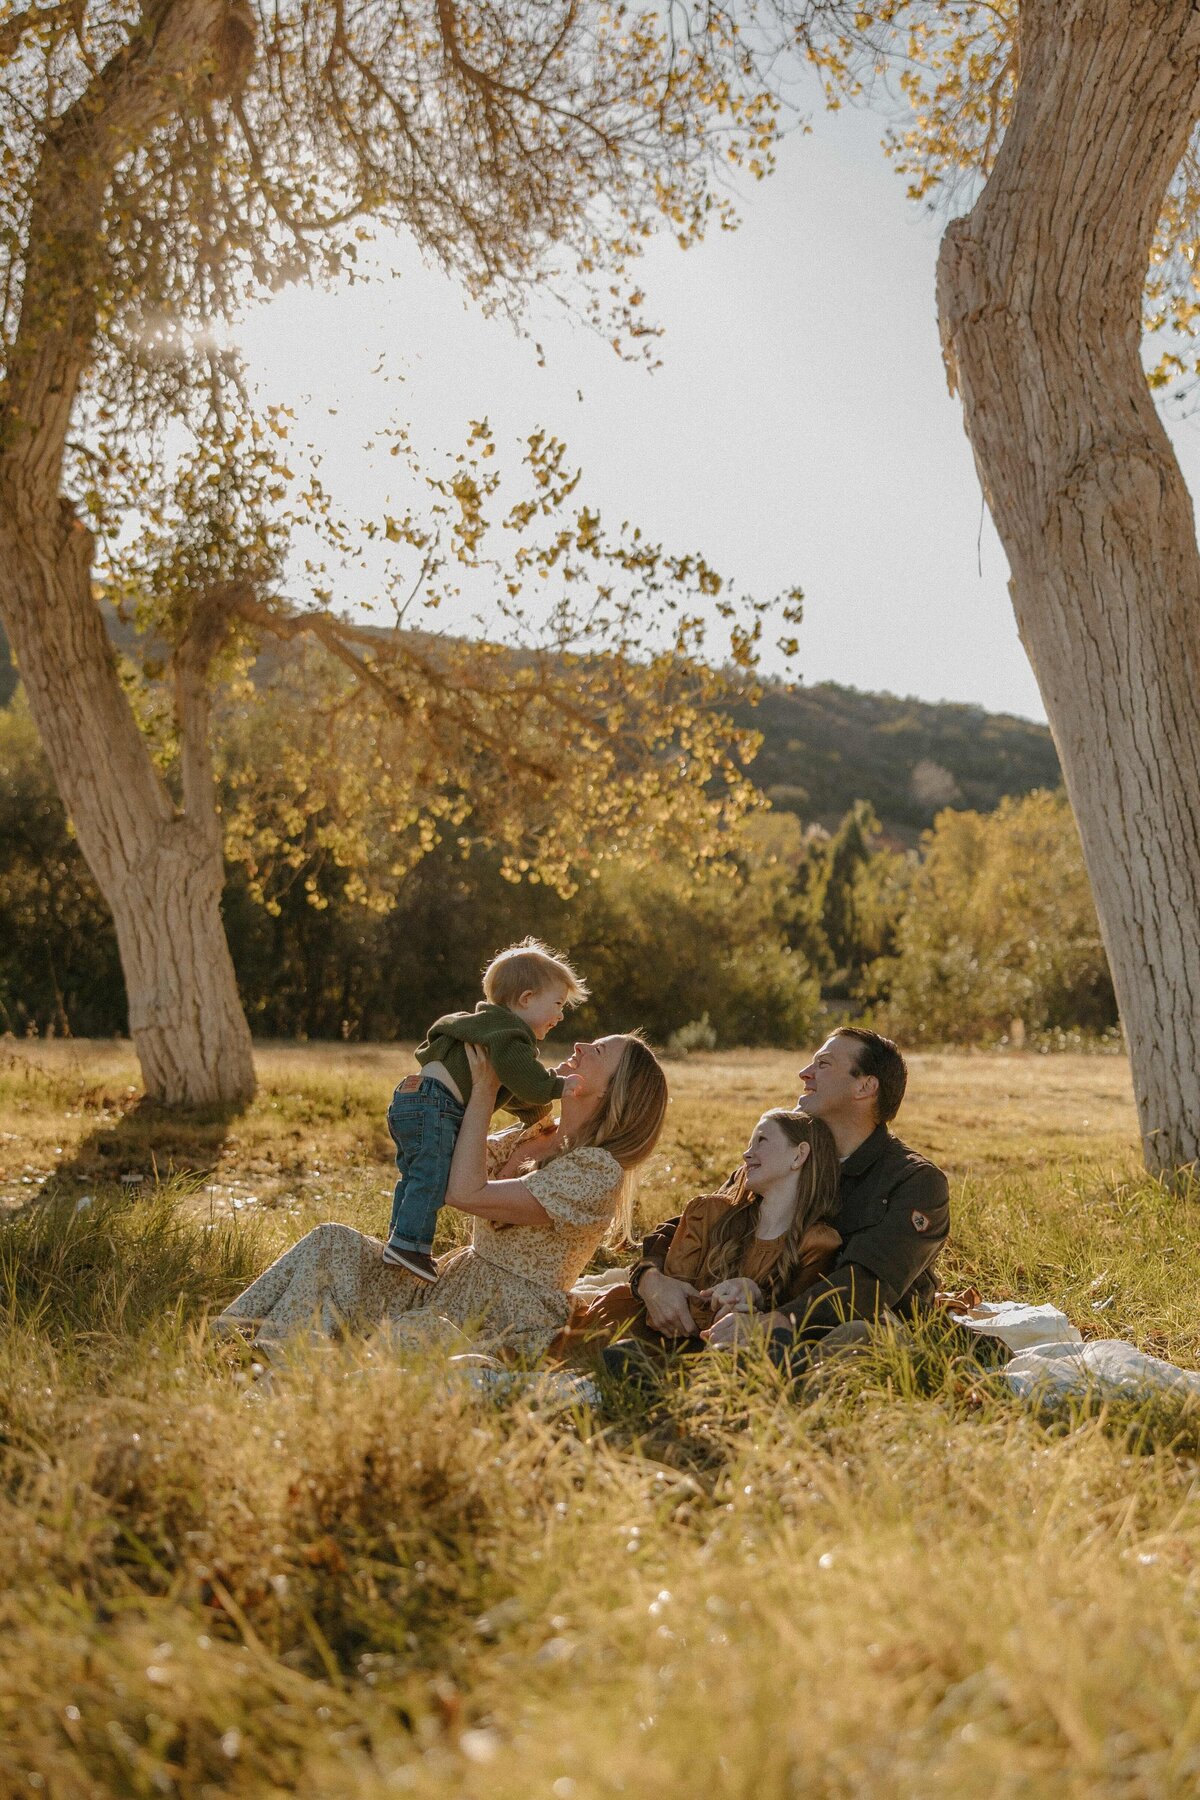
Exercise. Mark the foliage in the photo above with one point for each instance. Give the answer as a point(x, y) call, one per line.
point(825, 746)
point(594, 730)
point(697, 1034)
point(661, 945)
point(999, 925)
point(361, 1577)
point(994, 923)
point(59, 968)
point(955, 66)
point(848, 854)
point(321, 961)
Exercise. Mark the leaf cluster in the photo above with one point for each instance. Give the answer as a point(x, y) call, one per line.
point(947, 71)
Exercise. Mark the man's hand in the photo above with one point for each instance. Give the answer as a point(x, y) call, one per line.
point(666, 1303)
point(738, 1328)
point(739, 1294)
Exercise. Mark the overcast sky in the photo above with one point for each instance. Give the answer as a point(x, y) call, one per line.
point(800, 431)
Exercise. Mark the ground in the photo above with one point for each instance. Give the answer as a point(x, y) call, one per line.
point(365, 1580)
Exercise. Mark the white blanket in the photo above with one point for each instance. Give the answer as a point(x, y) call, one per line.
point(1051, 1357)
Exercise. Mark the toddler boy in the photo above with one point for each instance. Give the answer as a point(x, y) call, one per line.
point(527, 990)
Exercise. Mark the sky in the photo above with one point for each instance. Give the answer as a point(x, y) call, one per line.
point(800, 431)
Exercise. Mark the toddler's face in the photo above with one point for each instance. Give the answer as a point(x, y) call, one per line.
point(542, 1009)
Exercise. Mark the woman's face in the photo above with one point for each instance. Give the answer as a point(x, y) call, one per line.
point(590, 1067)
point(771, 1156)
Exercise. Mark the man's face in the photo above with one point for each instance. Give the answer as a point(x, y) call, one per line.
point(831, 1082)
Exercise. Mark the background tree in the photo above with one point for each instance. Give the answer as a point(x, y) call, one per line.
point(367, 948)
point(59, 969)
point(1070, 123)
point(849, 852)
point(165, 163)
point(998, 925)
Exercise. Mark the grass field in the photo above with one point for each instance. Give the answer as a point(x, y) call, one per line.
point(367, 1580)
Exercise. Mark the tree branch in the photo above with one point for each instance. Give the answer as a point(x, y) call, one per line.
point(142, 86)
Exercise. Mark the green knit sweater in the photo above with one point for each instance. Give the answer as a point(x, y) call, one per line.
point(527, 1087)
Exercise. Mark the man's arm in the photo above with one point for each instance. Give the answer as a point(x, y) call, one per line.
point(655, 1245)
point(896, 1252)
point(849, 1293)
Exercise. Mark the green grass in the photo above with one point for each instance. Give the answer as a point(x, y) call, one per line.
point(352, 1578)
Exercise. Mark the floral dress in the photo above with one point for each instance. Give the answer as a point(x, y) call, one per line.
point(509, 1287)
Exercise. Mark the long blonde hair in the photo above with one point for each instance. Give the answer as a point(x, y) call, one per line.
point(627, 1123)
point(817, 1182)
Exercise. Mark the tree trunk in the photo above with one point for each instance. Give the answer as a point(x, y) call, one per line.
point(161, 871)
point(1039, 297)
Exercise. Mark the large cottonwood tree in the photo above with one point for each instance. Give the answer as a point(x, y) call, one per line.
point(1069, 123)
point(167, 160)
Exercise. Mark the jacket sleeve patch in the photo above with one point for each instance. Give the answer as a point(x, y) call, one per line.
point(919, 1221)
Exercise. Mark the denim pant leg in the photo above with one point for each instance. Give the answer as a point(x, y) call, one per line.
point(424, 1125)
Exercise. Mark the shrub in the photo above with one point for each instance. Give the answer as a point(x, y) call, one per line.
point(999, 926)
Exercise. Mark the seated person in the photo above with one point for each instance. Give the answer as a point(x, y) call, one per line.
point(763, 1236)
point(893, 1211)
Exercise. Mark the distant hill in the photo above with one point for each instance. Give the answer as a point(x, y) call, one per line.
point(826, 746)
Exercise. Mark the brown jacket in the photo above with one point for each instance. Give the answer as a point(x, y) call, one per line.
point(689, 1257)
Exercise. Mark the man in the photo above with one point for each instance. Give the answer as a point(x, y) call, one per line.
point(894, 1212)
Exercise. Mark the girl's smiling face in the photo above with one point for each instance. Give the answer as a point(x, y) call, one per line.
point(770, 1156)
point(590, 1067)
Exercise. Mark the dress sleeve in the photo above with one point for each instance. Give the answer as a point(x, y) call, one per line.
point(578, 1188)
point(500, 1146)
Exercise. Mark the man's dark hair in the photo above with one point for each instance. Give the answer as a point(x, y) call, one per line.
point(878, 1056)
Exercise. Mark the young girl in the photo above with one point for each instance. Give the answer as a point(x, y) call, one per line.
point(764, 1235)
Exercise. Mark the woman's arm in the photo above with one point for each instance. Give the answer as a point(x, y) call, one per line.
point(469, 1190)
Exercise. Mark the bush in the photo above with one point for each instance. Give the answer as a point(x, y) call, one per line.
point(660, 945)
point(59, 967)
point(999, 926)
point(697, 1034)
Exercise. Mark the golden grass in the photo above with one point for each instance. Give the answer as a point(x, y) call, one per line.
point(318, 1119)
point(362, 1580)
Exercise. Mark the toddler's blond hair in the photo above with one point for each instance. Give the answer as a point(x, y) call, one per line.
point(529, 968)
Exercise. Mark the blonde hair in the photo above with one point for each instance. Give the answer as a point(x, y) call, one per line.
point(627, 1123)
point(817, 1185)
point(530, 968)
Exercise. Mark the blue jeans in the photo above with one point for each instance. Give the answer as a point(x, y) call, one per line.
point(424, 1122)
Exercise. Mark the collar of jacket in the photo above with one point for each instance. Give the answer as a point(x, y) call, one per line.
point(867, 1154)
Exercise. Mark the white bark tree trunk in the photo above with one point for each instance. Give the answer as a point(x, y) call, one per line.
point(1039, 298)
point(160, 869)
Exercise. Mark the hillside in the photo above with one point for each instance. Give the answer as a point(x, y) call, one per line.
point(826, 746)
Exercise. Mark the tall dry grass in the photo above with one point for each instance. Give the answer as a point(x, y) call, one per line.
point(347, 1577)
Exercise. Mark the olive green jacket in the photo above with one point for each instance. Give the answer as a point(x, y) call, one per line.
point(527, 1086)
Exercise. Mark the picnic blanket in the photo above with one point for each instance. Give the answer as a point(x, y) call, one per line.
point(1050, 1357)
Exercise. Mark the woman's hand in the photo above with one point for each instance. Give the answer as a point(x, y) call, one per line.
point(484, 1080)
point(737, 1295)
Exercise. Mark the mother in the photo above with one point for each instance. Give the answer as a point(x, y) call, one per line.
point(543, 1197)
